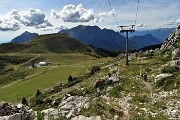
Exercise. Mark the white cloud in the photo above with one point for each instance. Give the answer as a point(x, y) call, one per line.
point(72, 13)
point(52, 28)
point(55, 14)
point(110, 13)
point(141, 25)
point(9, 26)
point(98, 19)
point(102, 15)
point(61, 27)
point(33, 17)
point(13, 20)
point(172, 22)
point(44, 24)
point(10, 21)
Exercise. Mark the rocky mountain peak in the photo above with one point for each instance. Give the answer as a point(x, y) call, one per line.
point(24, 37)
point(172, 40)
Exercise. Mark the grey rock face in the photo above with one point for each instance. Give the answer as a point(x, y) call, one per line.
point(19, 112)
point(69, 107)
point(161, 76)
point(176, 64)
point(176, 54)
point(81, 117)
point(72, 105)
point(171, 40)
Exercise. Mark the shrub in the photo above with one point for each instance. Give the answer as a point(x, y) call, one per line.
point(2, 65)
point(165, 56)
point(95, 69)
point(38, 100)
point(38, 93)
point(165, 81)
point(169, 69)
point(40, 116)
point(75, 81)
point(70, 78)
point(24, 101)
point(115, 92)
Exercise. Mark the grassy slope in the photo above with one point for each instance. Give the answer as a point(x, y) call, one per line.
point(28, 87)
point(131, 84)
point(54, 43)
point(62, 66)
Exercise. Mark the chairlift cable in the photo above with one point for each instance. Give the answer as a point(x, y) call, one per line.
point(137, 12)
point(113, 14)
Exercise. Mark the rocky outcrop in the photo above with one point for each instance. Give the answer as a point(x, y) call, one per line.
point(176, 54)
point(50, 113)
point(176, 64)
point(124, 104)
point(171, 40)
point(70, 106)
point(81, 117)
point(109, 82)
point(161, 76)
point(171, 106)
point(19, 112)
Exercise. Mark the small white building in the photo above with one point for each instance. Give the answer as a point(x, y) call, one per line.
point(44, 63)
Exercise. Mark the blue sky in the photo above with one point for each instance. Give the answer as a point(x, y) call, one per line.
point(49, 16)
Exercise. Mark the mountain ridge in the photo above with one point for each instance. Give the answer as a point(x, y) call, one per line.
point(108, 39)
point(103, 38)
point(24, 37)
point(144, 40)
point(54, 43)
point(161, 33)
point(93, 35)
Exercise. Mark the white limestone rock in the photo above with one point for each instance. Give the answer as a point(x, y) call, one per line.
point(81, 117)
point(161, 76)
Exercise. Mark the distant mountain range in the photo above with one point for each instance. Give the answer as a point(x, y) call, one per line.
point(93, 35)
point(54, 43)
point(24, 37)
point(108, 39)
point(138, 42)
point(161, 33)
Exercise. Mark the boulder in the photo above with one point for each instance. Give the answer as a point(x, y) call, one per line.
point(176, 64)
point(70, 106)
point(81, 117)
point(16, 116)
point(176, 54)
point(161, 76)
point(111, 81)
point(100, 82)
point(19, 112)
point(50, 113)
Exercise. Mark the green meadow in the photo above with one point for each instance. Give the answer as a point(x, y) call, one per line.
point(46, 77)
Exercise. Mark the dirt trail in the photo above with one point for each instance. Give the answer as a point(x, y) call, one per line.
point(29, 77)
point(35, 75)
point(107, 66)
point(16, 68)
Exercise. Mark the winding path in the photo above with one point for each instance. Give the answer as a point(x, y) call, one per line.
point(16, 68)
point(34, 75)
